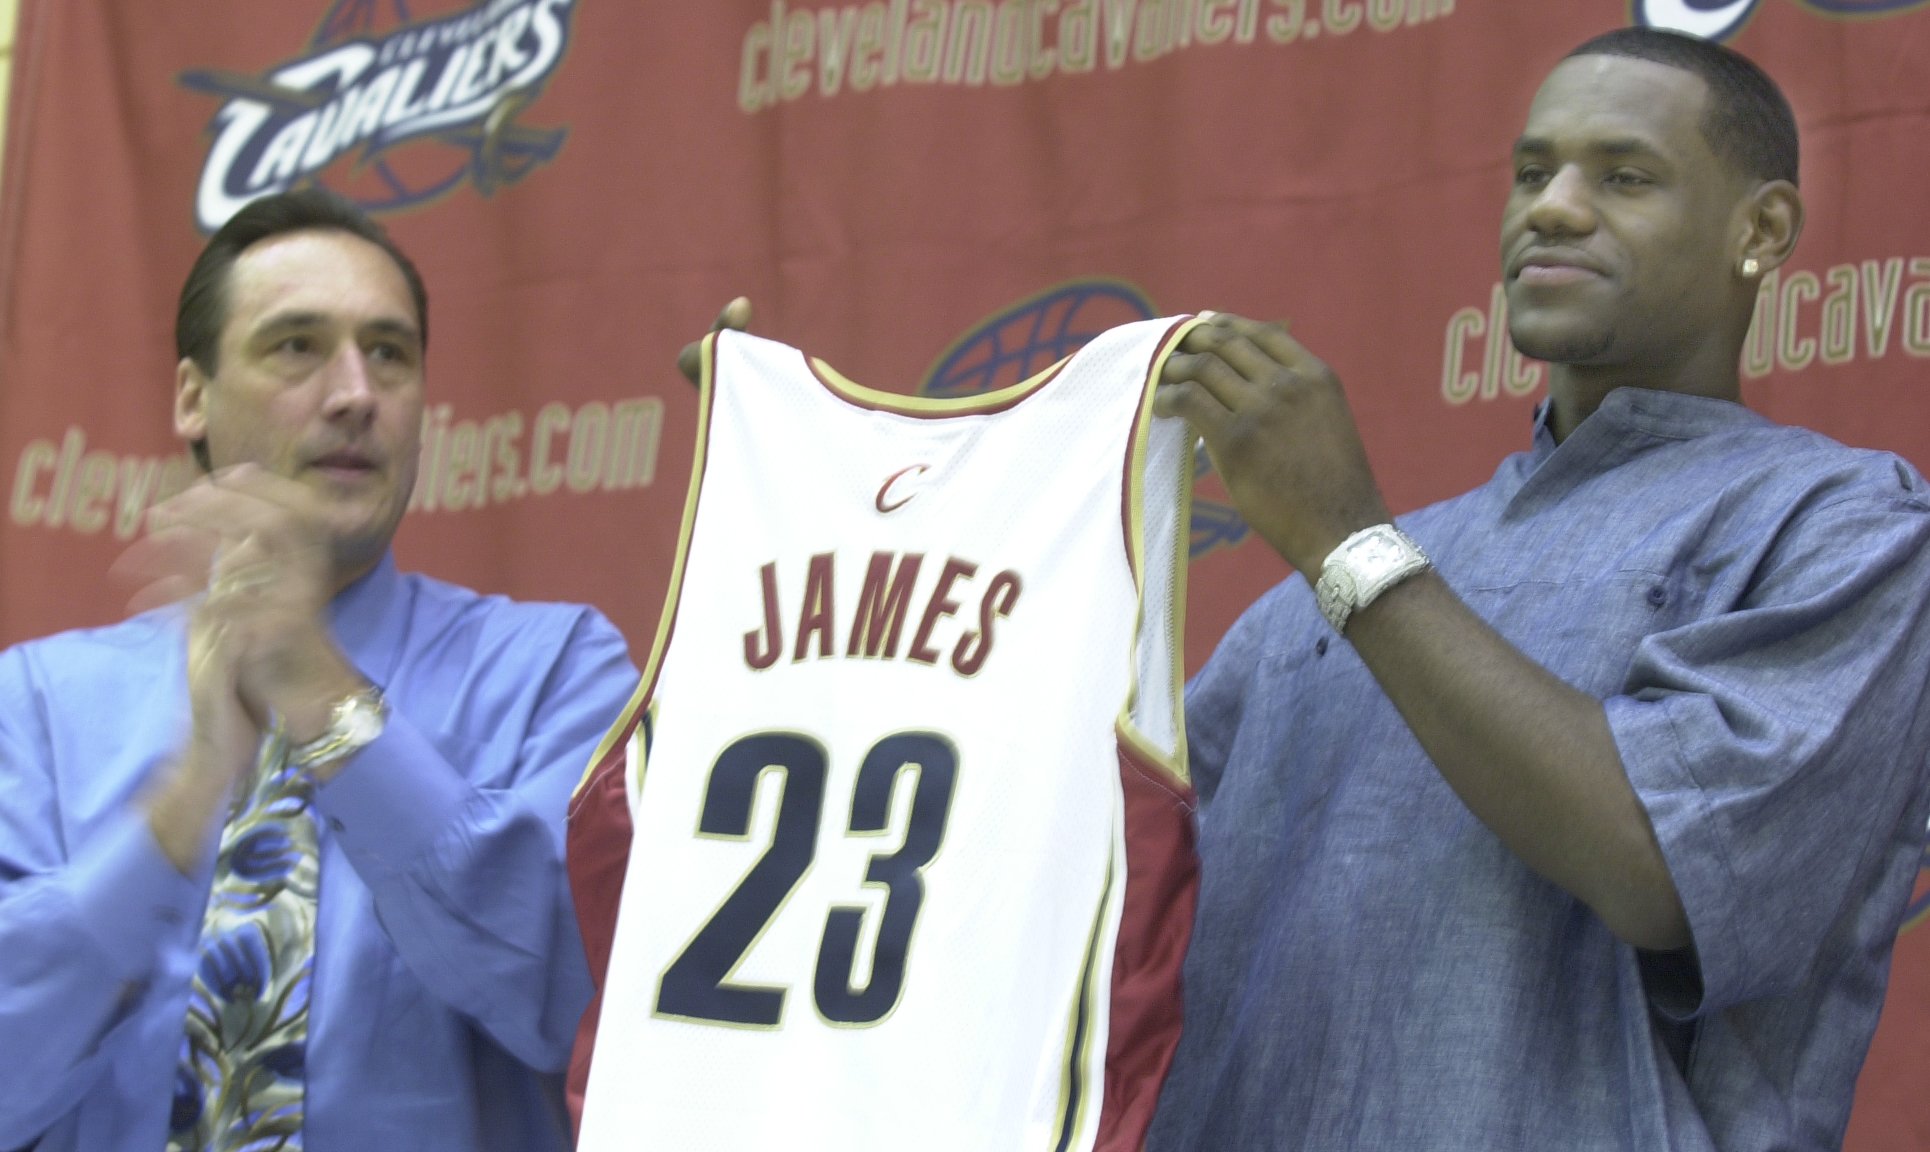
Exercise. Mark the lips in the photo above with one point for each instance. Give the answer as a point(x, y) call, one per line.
point(1555, 266)
point(343, 462)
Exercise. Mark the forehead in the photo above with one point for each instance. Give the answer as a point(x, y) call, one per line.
point(329, 274)
point(1589, 99)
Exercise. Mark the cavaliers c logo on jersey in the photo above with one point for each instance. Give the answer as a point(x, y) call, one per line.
point(421, 106)
point(899, 488)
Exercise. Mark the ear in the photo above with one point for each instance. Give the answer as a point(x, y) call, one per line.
point(190, 401)
point(1772, 221)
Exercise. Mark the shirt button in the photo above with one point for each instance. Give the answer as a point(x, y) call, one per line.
point(1320, 646)
point(1658, 595)
point(335, 822)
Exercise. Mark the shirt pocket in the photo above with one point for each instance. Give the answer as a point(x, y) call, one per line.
point(1585, 630)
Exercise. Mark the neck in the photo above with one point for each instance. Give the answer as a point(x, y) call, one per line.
point(346, 572)
point(1576, 390)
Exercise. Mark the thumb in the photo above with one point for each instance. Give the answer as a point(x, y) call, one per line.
point(735, 317)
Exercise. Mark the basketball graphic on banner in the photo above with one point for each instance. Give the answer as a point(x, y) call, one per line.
point(1033, 335)
point(1038, 332)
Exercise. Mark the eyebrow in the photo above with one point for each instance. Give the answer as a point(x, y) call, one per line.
point(280, 320)
point(284, 321)
point(398, 328)
point(1614, 146)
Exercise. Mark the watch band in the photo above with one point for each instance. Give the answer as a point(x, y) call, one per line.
point(354, 723)
point(1364, 566)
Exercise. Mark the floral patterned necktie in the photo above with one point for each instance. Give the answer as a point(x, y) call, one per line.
point(239, 1087)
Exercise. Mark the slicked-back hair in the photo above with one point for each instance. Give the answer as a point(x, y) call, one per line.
point(1748, 122)
point(203, 310)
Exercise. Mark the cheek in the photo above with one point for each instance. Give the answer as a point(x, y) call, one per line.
point(1511, 225)
point(405, 423)
point(402, 433)
point(243, 426)
point(1689, 263)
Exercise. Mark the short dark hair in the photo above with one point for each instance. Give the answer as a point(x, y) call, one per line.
point(203, 310)
point(1748, 122)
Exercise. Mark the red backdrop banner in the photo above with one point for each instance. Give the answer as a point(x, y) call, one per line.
point(933, 195)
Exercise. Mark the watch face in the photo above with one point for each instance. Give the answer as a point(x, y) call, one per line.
point(1375, 556)
point(362, 722)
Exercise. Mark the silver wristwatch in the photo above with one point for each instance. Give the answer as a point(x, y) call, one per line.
point(354, 723)
point(1365, 565)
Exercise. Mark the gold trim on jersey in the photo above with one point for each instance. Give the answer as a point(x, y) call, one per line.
point(1086, 1008)
point(852, 392)
point(1173, 762)
point(637, 754)
point(661, 642)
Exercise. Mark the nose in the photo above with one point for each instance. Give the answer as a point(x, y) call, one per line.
point(1562, 206)
point(351, 387)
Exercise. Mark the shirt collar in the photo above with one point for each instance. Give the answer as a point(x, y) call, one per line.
point(1629, 422)
point(1668, 415)
point(1542, 439)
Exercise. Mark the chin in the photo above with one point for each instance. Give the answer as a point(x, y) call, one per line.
point(1561, 344)
point(363, 531)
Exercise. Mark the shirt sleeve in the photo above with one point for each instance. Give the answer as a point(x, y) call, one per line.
point(468, 881)
point(81, 938)
point(1778, 747)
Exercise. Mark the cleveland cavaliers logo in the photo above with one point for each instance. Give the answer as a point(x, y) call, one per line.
point(420, 106)
point(899, 488)
point(1720, 19)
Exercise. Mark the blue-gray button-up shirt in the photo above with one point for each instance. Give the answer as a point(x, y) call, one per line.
point(1373, 969)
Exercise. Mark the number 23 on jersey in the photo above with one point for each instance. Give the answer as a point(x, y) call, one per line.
point(698, 984)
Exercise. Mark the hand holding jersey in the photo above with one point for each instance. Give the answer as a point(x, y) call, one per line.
point(1530, 756)
point(734, 317)
point(1278, 430)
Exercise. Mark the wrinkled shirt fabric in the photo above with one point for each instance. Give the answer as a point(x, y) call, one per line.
point(449, 975)
point(1372, 969)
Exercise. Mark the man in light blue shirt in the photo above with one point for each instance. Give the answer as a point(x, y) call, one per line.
point(1594, 831)
point(367, 769)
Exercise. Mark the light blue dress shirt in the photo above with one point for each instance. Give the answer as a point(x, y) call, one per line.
point(1372, 969)
point(449, 975)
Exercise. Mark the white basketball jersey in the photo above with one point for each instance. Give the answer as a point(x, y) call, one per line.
point(910, 860)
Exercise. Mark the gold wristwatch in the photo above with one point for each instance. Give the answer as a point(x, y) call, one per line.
point(353, 724)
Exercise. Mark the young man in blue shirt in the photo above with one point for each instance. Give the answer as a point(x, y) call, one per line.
point(1580, 811)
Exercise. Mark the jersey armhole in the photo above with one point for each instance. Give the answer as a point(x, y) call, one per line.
point(1159, 500)
point(641, 701)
